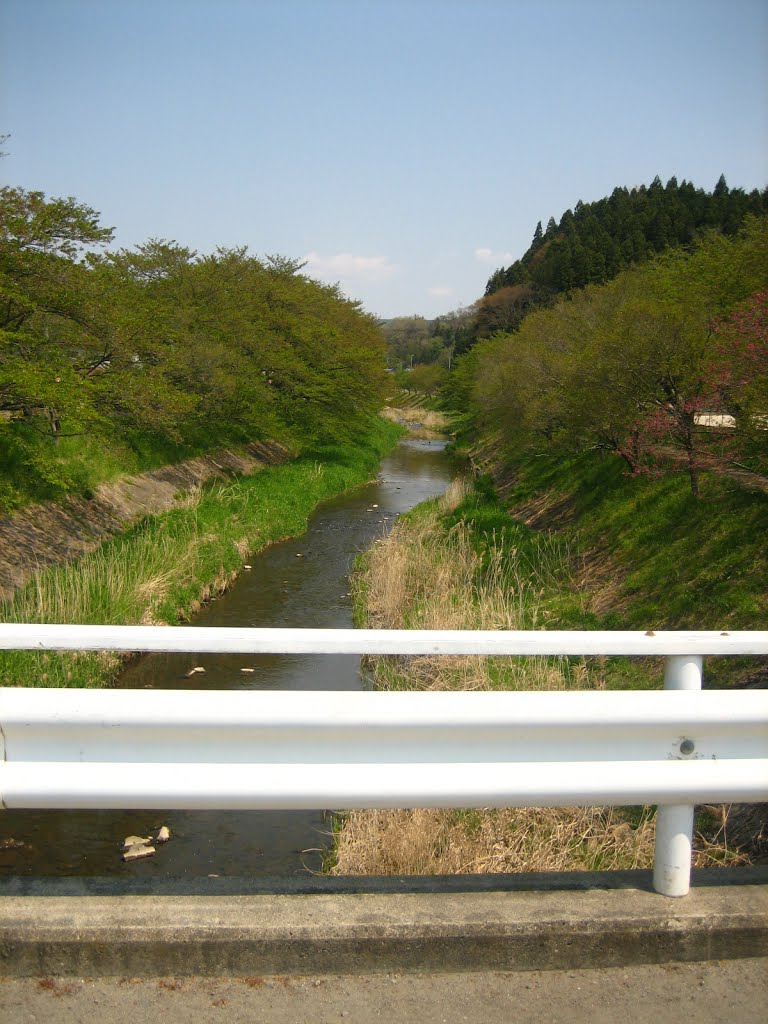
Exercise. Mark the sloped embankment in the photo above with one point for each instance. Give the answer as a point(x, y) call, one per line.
point(49, 534)
point(448, 566)
point(650, 554)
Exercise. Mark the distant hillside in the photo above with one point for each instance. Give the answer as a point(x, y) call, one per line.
point(595, 241)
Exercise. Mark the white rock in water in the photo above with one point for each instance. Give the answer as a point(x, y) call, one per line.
point(136, 841)
point(139, 852)
point(163, 835)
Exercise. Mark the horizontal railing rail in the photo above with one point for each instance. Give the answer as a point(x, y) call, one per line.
point(251, 749)
point(236, 640)
point(319, 749)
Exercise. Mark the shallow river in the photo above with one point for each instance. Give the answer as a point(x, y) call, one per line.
point(301, 582)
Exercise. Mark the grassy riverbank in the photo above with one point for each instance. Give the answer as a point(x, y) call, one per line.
point(605, 552)
point(655, 556)
point(167, 565)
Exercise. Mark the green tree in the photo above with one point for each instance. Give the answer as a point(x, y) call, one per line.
point(598, 240)
point(630, 367)
point(409, 340)
point(161, 345)
point(49, 337)
point(427, 378)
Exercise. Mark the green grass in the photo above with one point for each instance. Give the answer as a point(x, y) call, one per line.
point(683, 563)
point(160, 570)
point(34, 469)
point(675, 562)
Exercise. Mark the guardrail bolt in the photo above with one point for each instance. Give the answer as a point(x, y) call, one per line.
point(687, 747)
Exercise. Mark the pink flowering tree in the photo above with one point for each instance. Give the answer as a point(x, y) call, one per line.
point(738, 369)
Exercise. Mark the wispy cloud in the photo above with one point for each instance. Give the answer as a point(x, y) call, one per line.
point(345, 266)
point(494, 257)
point(441, 291)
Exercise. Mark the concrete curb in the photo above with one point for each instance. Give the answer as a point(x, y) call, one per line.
point(352, 933)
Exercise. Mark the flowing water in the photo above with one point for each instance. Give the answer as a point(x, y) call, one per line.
point(301, 582)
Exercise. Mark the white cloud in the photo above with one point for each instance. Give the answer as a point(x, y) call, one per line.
point(494, 257)
point(345, 266)
point(441, 291)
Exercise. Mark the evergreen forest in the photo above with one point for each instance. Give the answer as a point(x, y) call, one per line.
point(594, 242)
point(590, 245)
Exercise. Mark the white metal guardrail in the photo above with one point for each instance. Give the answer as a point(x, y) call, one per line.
point(340, 749)
point(229, 640)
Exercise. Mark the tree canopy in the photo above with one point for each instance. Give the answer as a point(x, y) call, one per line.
point(637, 366)
point(161, 342)
point(594, 242)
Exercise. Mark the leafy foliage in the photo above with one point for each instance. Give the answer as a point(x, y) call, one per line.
point(160, 345)
point(414, 341)
point(637, 366)
point(592, 244)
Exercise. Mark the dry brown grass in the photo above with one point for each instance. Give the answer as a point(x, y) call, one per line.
point(420, 577)
point(419, 422)
point(243, 547)
point(441, 842)
point(427, 842)
point(190, 498)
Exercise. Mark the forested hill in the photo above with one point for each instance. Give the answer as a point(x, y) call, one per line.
point(595, 241)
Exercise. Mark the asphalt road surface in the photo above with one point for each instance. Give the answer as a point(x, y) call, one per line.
point(715, 992)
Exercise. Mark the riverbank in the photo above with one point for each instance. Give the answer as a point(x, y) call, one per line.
point(466, 562)
point(54, 532)
point(420, 422)
point(646, 554)
point(163, 569)
point(299, 583)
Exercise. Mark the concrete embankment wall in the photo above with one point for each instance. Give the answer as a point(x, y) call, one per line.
point(48, 534)
point(566, 924)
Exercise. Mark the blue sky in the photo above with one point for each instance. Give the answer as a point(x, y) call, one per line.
point(404, 148)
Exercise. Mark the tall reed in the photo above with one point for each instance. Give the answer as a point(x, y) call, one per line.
point(161, 571)
point(422, 576)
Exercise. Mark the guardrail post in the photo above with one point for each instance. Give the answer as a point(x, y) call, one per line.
point(674, 824)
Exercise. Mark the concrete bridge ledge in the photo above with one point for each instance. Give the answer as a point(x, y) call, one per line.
point(348, 932)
